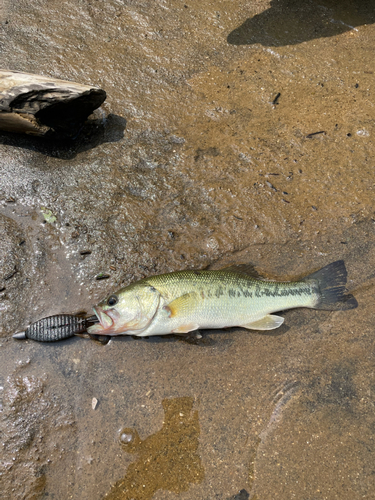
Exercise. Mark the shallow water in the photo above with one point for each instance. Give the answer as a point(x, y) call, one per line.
point(191, 163)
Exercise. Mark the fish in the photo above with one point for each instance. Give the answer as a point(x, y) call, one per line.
point(184, 301)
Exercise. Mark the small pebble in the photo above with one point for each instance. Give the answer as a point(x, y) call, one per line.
point(126, 437)
point(363, 133)
point(271, 186)
point(94, 403)
point(102, 276)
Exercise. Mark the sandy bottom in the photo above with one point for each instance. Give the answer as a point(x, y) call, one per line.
point(233, 132)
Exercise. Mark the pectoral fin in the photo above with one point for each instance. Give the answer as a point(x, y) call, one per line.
point(269, 322)
point(182, 305)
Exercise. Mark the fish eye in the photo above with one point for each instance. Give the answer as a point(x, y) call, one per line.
point(112, 300)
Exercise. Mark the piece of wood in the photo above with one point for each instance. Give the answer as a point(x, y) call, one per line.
point(38, 105)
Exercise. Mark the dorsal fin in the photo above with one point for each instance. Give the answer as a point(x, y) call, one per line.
point(247, 269)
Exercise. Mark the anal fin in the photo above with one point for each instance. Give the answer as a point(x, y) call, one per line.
point(269, 322)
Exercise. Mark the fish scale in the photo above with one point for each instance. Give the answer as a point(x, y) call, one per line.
point(221, 298)
point(183, 301)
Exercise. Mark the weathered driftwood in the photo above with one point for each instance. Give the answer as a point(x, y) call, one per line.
point(38, 105)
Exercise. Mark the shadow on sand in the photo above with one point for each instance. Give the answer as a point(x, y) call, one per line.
point(93, 133)
point(290, 22)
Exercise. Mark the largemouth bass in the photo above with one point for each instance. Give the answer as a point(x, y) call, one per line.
point(184, 301)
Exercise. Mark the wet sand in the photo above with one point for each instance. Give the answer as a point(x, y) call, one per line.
point(232, 132)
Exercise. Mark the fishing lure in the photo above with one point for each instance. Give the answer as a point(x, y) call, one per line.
point(57, 327)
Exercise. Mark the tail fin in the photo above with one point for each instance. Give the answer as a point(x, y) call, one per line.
point(331, 281)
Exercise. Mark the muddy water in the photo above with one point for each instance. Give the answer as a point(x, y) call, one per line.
point(206, 153)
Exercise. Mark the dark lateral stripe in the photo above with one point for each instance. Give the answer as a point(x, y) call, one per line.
point(262, 291)
point(282, 292)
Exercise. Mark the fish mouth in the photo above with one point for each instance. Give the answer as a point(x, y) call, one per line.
point(105, 325)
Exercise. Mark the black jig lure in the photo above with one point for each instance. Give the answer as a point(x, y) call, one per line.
point(58, 327)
